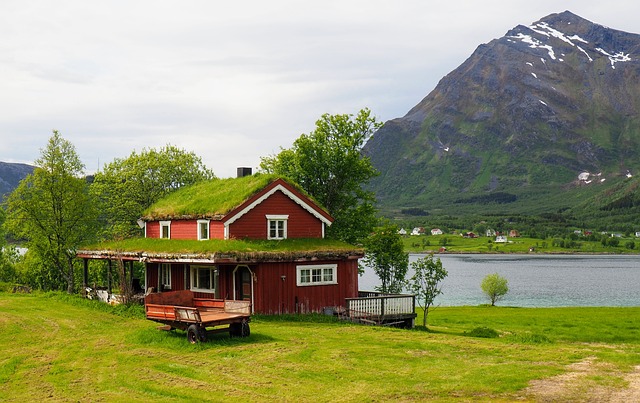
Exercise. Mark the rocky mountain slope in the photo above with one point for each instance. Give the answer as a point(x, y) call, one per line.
point(10, 175)
point(548, 108)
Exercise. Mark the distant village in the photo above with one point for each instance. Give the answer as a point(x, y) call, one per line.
point(498, 236)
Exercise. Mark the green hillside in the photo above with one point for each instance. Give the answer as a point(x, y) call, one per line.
point(513, 129)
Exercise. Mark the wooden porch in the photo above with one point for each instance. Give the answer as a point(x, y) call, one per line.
point(380, 309)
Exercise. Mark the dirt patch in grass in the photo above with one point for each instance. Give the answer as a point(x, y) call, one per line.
point(588, 381)
point(632, 392)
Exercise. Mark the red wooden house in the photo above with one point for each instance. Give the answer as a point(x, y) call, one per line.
point(257, 238)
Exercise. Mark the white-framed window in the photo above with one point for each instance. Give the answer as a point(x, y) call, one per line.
point(318, 274)
point(277, 226)
point(203, 230)
point(164, 276)
point(204, 278)
point(165, 229)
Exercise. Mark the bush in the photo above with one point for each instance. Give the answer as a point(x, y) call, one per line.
point(483, 332)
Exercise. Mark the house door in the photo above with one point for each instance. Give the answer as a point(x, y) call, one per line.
point(243, 283)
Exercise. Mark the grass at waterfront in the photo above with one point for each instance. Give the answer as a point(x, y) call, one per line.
point(459, 244)
point(56, 347)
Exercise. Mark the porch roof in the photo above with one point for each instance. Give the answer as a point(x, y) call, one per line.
point(222, 251)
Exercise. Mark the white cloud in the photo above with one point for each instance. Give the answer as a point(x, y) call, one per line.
point(232, 81)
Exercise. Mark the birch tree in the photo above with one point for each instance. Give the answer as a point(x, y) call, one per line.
point(495, 287)
point(426, 282)
point(384, 253)
point(51, 210)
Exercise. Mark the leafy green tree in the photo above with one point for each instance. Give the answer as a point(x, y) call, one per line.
point(127, 186)
point(7, 254)
point(386, 256)
point(328, 164)
point(52, 210)
point(426, 282)
point(495, 287)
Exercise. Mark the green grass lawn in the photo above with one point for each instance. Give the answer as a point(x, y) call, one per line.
point(61, 348)
point(459, 244)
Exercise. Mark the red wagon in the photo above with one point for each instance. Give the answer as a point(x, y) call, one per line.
point(198, 316)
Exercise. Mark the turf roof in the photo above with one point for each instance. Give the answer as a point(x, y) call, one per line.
point(240, 250)
point(210, 199)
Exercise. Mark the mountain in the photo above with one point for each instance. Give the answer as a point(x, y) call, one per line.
point(10, 175)
point(516, 124)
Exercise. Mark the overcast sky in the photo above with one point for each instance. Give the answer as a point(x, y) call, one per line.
point(234, 80)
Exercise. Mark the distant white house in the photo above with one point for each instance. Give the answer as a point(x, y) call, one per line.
point(402, 231)
point(501, 239)
point(418, 231)
point(638, 234)
point(584, 176)
point(436, 231)
point(491, 232)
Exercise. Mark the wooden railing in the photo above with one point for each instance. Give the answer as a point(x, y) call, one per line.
point(374, 304)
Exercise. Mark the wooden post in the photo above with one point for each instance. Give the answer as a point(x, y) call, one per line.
point(85, 277)
point(413, 304)
point(109, 276)
point(131, 273)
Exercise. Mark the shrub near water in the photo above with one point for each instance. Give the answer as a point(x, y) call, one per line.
point(483, 332)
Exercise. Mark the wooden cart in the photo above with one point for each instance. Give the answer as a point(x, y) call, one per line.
point(181, 310)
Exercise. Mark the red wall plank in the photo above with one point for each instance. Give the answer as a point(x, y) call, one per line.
point(184, 229)
point(253, 225)
point(272, 293)
point(216, 230)
point(153, 229)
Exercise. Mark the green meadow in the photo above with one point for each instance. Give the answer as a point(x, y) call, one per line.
point(56, 347)
point(519, 245)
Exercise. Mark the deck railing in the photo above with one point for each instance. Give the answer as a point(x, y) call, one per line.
point(374, 304)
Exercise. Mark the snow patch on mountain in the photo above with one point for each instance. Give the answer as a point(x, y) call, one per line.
point(618, 57)
point(534, 43)
point(585, 52)
point(543, 28)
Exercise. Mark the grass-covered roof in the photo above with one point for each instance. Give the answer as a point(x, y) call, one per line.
point(219, 249)
point(211, 199)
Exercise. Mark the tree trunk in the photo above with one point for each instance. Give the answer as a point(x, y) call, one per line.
point(70, 276)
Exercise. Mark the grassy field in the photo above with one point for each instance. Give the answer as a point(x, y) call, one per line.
point(59, 348)
point(459, 244)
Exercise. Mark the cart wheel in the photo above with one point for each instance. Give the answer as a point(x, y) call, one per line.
point(193, 334)
point(203, 334)
point(245, 330)
point(235, 329)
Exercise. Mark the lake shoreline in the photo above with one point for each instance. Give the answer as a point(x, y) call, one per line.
point(466, 252)
point(536, 279)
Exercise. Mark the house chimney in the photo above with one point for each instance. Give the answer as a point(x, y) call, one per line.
point(243, 171)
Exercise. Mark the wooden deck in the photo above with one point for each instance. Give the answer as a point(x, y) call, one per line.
point(382, 309)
